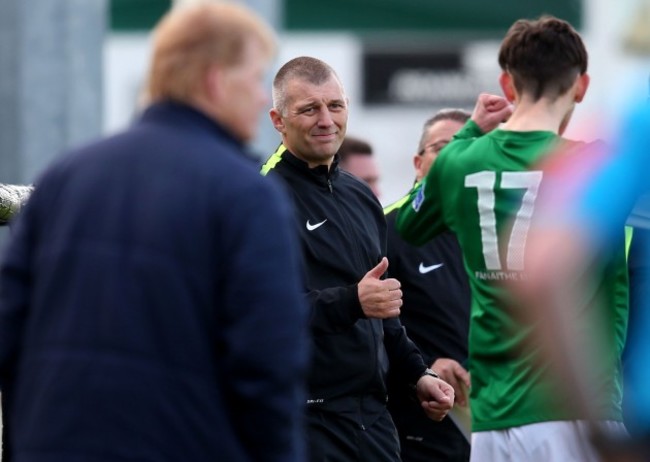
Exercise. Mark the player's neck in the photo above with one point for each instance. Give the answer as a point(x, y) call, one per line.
point(541, 115)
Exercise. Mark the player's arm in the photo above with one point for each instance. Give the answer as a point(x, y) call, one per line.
point(420, 218)
point(467, 131)
point(490, 111)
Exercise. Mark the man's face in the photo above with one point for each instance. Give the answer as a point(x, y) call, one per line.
point(438, 135)
point(314, 121)
point(243, 93)
point(364, 167)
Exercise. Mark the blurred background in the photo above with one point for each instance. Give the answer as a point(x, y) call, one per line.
point(72, 69)
point(402, 60)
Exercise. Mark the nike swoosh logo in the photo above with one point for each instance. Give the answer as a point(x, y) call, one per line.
point(427, 269)
point(311, 227)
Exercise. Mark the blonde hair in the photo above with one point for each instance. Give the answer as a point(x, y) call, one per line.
point(189, 39)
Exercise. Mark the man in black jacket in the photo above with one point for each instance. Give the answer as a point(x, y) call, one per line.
point(355, 329)
point(435, 314)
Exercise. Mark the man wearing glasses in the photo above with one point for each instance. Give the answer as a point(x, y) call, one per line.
point(435, 312)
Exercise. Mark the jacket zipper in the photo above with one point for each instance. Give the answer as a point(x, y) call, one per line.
point(371, 331)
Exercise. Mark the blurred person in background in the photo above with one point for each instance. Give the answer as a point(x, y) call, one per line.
point(484, 188)
point(356, 333)
point(144, 313)
point(435, 313)
point(356, 157)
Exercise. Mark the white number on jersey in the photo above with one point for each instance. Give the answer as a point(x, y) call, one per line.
point(485, 184)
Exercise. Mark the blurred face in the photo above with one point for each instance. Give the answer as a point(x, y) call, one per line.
point(315, 120)
point(242, 93)
point(438, 135)
point(365, 168)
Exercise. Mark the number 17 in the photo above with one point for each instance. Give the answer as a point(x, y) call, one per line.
point(485, 183)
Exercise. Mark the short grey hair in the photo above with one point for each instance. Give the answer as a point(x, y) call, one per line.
point(458, 115)
point(312, 70)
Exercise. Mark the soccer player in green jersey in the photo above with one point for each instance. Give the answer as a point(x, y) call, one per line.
point(483, 188)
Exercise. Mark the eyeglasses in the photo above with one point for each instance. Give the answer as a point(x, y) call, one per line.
point(434, 148)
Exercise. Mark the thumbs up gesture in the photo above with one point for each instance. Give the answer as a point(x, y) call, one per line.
point(379, 298)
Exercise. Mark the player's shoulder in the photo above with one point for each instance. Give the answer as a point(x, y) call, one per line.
point(458, 155)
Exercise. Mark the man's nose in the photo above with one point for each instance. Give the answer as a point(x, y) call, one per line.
point(325, 118)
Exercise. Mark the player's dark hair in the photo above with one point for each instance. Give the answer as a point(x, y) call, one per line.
point(544, 56)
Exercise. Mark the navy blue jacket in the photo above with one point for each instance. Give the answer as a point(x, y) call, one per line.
point(150, 304)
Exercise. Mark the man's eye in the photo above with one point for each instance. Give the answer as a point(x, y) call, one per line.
point(438, 147)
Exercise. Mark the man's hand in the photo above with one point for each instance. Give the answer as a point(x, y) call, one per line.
point(490, 111)
point(455, 375)
point(436, 396)
point(379, 298)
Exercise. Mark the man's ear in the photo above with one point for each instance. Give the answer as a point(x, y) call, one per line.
point(507, 86)
point(581, 87)
point(277, 120)
point(212, 83)
point(417, 162)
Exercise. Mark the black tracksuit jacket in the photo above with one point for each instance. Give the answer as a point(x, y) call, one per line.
point(435, 314)
point(343, 235)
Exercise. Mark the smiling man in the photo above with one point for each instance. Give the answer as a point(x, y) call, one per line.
point(354, 312)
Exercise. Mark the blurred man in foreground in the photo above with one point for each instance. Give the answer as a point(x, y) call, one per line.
point(144, 313)
point(584, 224)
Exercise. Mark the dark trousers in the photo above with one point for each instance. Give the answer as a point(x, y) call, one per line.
point(352, 435)
point(423, 439)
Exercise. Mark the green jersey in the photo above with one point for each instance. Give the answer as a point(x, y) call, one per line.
point(484, 188)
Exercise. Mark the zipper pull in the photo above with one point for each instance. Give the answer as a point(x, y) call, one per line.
point(329, 185)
